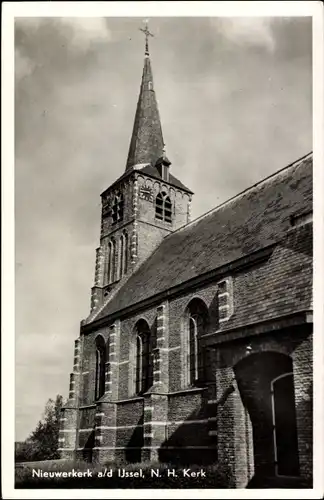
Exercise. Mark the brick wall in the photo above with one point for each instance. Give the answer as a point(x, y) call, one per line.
point(303, 379)
point(173, 416)
point(148, 238)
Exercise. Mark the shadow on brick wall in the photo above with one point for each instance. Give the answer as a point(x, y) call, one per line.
point(87, 452)
point(136, 442)
point(193, 442)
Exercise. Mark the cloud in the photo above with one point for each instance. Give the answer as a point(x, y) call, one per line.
point(248, 31)
point(24, 66)
point(87, 30)
point(83, 31)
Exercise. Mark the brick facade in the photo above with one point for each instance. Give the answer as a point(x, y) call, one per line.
point(212, 422)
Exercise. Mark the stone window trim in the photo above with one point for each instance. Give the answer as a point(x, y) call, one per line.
point(225, 299)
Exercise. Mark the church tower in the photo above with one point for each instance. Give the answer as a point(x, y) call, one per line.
point(144, 204)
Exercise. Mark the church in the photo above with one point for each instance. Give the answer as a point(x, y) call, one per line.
point(198, 345)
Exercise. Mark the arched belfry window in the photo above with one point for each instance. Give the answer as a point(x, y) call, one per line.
point(118, 208)
point(100, 367)
point(163, 207)
point(144, 345)
point(196, 322)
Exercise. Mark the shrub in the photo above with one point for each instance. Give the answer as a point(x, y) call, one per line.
point(42, 444)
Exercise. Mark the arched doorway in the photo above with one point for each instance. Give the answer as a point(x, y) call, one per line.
point(266, 385)
point(284, 425)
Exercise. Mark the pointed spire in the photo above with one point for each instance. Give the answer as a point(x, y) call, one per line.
point(147, 143)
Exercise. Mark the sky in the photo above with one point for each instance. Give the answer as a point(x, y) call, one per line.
point(235, 100)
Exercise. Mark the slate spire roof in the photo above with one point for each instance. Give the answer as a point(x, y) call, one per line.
point(147, 143)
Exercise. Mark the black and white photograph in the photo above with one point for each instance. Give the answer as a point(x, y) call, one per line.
point(164, 171)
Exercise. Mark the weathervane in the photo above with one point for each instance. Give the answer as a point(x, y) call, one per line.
point(147, 34)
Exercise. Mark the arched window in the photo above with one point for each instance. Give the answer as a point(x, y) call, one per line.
point(143, 357)
point(100, 367)
point(112, 261)
point(122, 255)
point(163, 207)
point(118, 208)
point(109, 262)
point(125, 252)
point(196, 319)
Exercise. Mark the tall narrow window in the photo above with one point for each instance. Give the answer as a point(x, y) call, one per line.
point(167, 209)
point(159, 207)
point(100, 367)
point(193, 350)
point(112, 266)
point(163, 207)
point(139, 364)
point(196, 325)
point(125, 252)
point(121, 257)
point(117, 211)
point(108, 262)
point(144, 358)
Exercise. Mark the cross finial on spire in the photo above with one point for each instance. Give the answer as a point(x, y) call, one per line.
point(147, 34)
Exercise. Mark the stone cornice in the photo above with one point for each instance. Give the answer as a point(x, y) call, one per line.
point(278, 323)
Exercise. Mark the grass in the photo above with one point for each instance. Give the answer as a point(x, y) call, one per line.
point(216, 476)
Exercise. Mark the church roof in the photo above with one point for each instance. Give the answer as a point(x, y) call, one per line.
point(146, 144)
point(252, 220)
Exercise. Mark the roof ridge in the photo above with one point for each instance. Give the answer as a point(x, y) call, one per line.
point(214, 209)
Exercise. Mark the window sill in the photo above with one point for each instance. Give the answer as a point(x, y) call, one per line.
point(187, 390)
point(129, 400)
point(163, 221)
